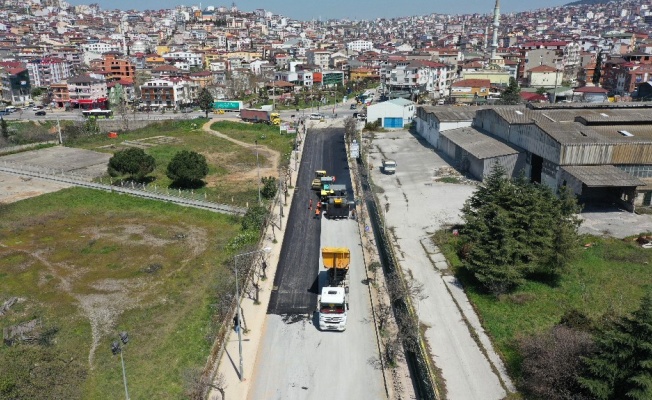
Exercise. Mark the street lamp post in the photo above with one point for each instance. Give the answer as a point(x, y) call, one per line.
point(239, 311)
point(115, 349)
point(258, 169)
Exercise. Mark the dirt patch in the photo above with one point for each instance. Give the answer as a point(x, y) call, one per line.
point(15, 188)
point(103, 300)
point(270, 168)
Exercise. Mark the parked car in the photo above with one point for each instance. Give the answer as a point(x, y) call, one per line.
point(40, 112)
point(353, 106)
point(316, 116)
point(36, 108)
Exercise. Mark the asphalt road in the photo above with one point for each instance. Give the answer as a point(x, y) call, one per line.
point(296, 286)
point(296, 360)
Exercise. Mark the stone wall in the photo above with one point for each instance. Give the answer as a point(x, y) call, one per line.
point(117, 124)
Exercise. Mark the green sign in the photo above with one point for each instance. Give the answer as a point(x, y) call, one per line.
point(226, 105)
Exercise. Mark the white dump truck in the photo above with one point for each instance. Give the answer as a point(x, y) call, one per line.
point(333, 302)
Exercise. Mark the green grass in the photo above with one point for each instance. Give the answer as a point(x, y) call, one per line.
point(608, 277)
point(265, 135)
point(79, 246)
point(225, 159)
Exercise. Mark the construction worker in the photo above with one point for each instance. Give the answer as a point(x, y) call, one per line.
point(317, 212)
point(319, 205)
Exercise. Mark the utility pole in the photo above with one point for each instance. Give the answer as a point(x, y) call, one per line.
point(59, 130)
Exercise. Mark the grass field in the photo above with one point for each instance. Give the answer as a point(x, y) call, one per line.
point(265, 135)
point(608, 277)
point(231, 178)
point(90, 264)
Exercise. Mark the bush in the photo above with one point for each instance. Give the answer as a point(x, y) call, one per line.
point(552, 361)
point(132, 161)
point(270, 187)
point(254, 218)
point(187, 168)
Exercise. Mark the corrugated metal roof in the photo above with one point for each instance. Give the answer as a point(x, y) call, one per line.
point(400, 101)
point(615, 116)
point(619, 133)
point(478, 144)
point(602, 176)
point(571, 132)
point(453, 113)
point(518, 115)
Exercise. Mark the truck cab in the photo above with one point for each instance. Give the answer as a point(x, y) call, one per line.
point(333, 309)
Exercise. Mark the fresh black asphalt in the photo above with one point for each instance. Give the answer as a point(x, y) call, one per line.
point(296, 282)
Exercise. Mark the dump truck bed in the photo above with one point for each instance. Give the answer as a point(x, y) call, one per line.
point(336, 257)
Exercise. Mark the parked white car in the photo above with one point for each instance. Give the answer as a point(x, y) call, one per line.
point(316, 116)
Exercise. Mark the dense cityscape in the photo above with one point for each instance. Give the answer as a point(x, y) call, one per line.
point(53, 48)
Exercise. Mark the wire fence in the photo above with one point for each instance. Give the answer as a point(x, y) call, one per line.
point(78, 178)
point(416, 357)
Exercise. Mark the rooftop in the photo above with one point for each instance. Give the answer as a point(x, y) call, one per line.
point(602, 176)
point(478, 144)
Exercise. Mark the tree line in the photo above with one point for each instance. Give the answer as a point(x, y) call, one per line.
point(516, 230)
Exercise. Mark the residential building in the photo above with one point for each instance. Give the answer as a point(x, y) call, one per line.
point(116, 66)
point(60, 94)
point(360, 45)
point(88, 91)
point(185, 58)
point(319, 58)
point(43, 72)
point(14, 84)
point(544, 76)
point(470, 90)
point(172, 93)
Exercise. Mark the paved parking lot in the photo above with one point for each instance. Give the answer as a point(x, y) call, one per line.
point(418, 206)
point(84, 164)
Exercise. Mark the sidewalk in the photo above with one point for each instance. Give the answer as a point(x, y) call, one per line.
point(254, 316)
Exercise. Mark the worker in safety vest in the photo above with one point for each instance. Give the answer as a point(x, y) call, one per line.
point(317, 212)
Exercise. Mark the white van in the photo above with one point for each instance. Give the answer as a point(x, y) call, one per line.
point(10, 109)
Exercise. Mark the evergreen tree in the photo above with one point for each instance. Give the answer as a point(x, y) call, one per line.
point(621, 368)
point(597, 72)
point(187, 168)
point(511, 95)
point(514, 228)
point(132, 161)
point(205, 101)
point(4, 128)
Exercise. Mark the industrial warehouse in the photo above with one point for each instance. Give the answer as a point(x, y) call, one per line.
point(603, 152)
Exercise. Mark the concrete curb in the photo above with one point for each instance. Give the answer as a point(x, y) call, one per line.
point(255, 315)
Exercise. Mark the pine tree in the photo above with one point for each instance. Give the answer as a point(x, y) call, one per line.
point(511, 95)
point(621, 368)
point(205, 101)
point(597, 72)
point(4, 128)
point(514, 228)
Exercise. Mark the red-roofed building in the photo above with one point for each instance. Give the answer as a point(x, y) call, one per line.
point(470, 90)
point(590, 94)
point(15, 86)
point(544, 76)
point(531, 97)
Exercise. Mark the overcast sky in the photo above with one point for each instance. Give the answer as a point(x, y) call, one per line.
point(353, 9)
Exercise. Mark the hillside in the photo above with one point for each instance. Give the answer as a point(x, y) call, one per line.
point(580, 2)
